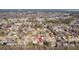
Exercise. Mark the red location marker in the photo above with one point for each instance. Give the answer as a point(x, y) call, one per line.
point(40, 38)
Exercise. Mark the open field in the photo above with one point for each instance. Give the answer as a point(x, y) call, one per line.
point(39, 29)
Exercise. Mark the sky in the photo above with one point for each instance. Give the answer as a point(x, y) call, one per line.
point(39, 4)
